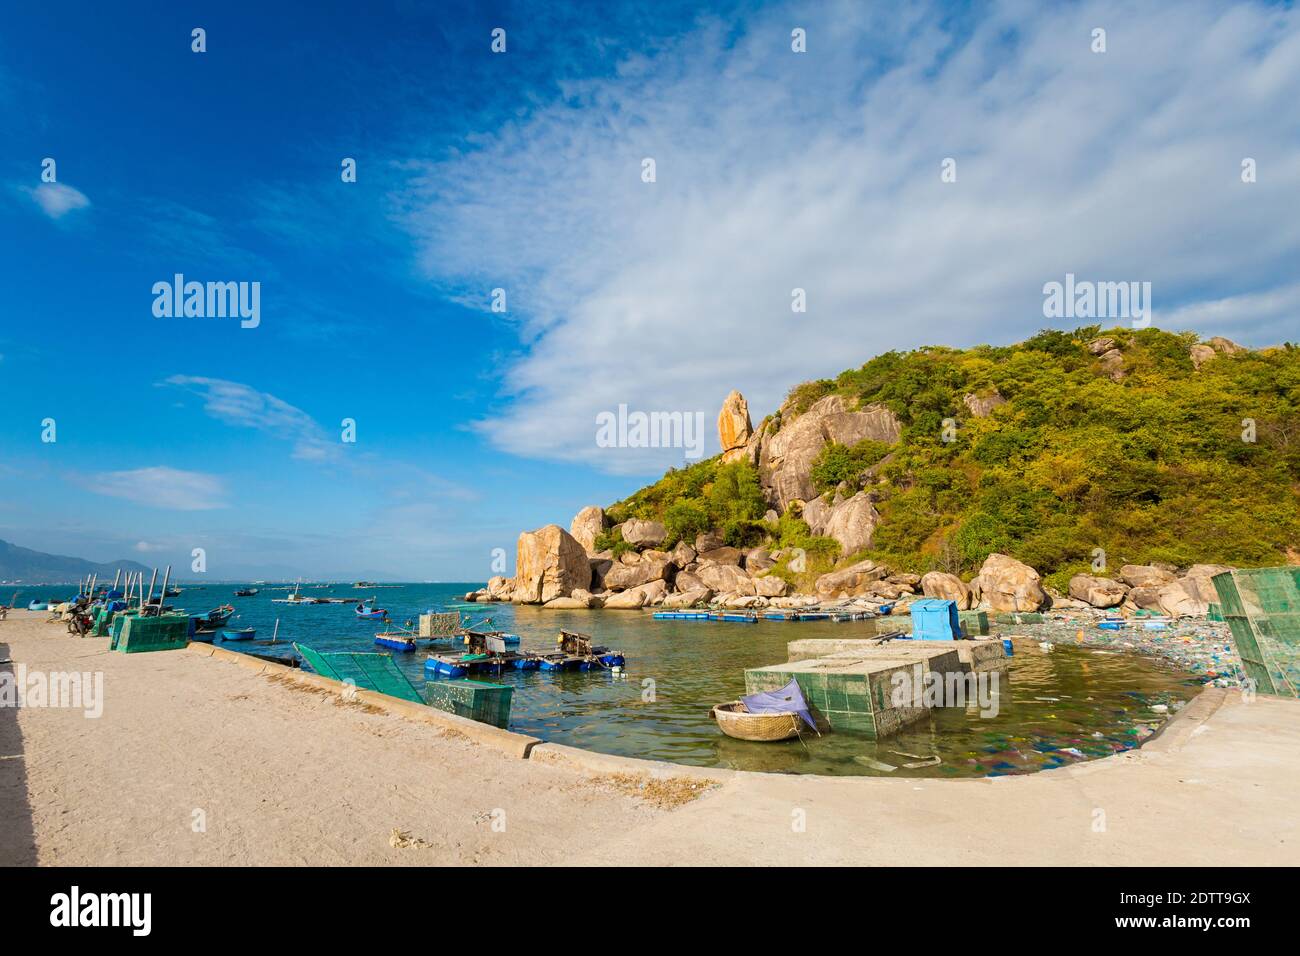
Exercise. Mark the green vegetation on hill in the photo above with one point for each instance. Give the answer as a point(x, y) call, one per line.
point(1150, 468)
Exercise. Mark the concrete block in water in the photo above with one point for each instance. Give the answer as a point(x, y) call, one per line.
point(972, 655)
point(851, 694)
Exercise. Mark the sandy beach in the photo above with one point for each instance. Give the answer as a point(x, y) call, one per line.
point(198, 761)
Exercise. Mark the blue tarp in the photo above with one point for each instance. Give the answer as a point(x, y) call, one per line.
point(789, 699)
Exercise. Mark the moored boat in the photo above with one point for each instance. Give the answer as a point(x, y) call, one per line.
point(395, 640)
point(735, 720)
point(239, 634)
point(245, 592)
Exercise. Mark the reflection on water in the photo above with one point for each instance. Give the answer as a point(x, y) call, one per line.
point(1054, 709)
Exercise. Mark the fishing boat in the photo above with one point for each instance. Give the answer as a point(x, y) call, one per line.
point(239, 634)
point(395, 640)
point(214, 620)
point(245, 592)
point(765, 716)
point(735, 720)
point(39, 606)
point(366, 611)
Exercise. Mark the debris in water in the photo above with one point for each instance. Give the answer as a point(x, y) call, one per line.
point(875, 764)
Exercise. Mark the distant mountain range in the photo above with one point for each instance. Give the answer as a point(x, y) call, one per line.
point(36, 567)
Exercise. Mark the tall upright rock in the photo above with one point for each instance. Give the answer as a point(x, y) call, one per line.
point(549, 563)
point(734, 427)
point(586, 525)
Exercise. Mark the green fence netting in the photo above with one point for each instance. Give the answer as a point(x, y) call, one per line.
point(368, 671)
point(1262, 608)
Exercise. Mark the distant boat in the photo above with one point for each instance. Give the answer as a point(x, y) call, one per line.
point(365, 611)
point(364, 584)
point(245, 592)
point(296, 598)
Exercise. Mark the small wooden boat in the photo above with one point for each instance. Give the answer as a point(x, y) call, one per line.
point(367, 612)
point(239, 634)
point(215, 619)
point(38, 606)
point(735, 721)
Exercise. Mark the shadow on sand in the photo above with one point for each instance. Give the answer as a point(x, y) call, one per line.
point(17, 837)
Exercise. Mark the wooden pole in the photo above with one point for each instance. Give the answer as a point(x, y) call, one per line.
point(276, 632)
point(162, 595)
point(153, 580)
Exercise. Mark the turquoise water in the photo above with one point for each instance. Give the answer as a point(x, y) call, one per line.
point(1093, 702)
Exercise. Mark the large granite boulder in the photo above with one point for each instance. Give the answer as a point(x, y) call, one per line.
point(852, 523)
point(586, 525)
point(696, 597)
point(816, 511)
point(549, 563)
point(1112, 363)
point(946, 587)
point(734, 427)
point(648, 566)
point(1010, 585)
point(689, 581)
point(758, 559)
point(852, 581)
point(786, 457)
point(1098, 592)
point(1201, 354)
point(644, 534)
point(769, 585)
point(722, 555)
point(683, 555)
point(724, 577)
point(1145, 576)
point(1146, 598)
point(630, 600)
point(980, 406)
point(707, 541)
point(1191, 594)
point(500, 588)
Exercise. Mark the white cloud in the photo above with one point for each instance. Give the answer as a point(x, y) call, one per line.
point(57, 199)
point(821, 171)
point(159, 487)
point(243, 405)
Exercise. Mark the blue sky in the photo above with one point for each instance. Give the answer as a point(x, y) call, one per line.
point(522, 171)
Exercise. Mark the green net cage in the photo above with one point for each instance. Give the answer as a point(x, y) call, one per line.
point(1262, 608)
point(477, 700)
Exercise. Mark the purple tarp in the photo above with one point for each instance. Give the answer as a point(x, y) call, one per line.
point(789, 699)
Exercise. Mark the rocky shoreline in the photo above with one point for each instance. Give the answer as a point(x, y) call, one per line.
point(558, 569)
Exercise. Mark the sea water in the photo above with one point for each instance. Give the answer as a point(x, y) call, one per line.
point(1054, 709)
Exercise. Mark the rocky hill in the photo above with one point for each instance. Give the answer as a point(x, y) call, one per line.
point(1119, 467)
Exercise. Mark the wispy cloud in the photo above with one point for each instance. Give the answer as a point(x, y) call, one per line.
point(245, 406)
point(821, 171)
point(159, 487)
point(57, 199)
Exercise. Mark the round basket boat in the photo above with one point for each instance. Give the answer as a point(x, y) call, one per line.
point(735, 721)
